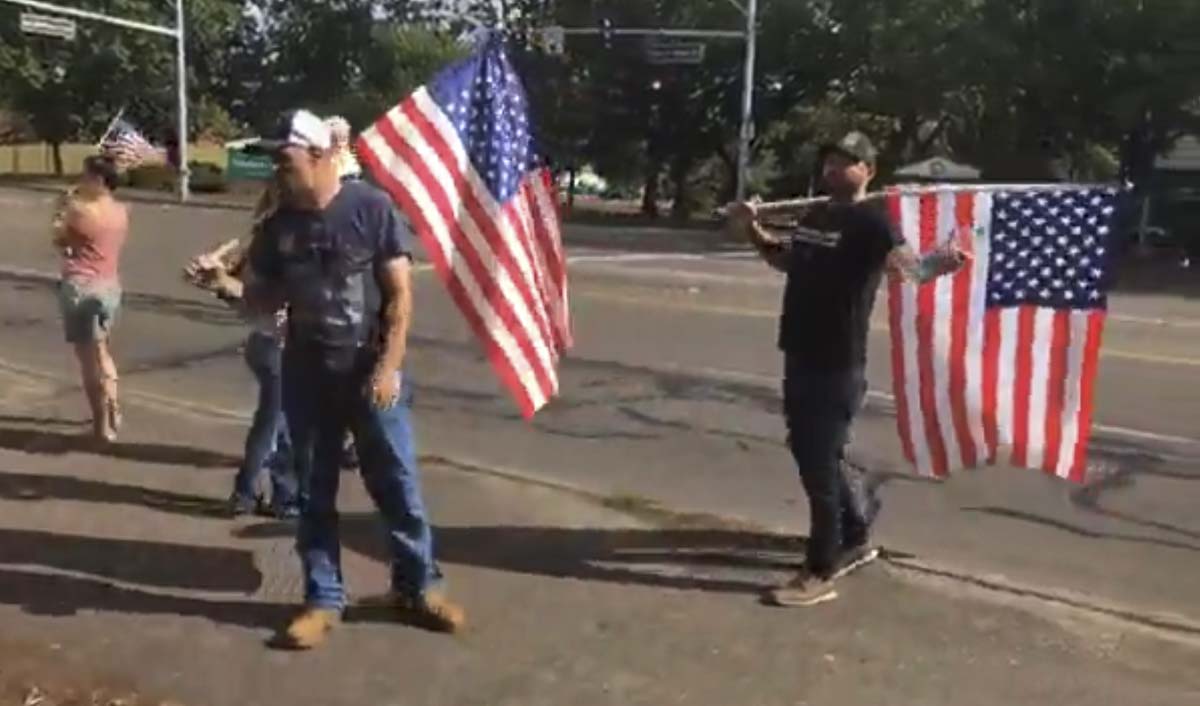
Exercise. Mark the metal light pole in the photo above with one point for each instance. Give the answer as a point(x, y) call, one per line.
point(746, 134)
point(176, 32)
point(181, 67)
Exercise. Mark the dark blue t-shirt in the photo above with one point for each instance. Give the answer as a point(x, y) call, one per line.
point(328, 262)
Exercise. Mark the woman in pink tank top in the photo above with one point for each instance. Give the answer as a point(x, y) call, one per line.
point(90, 231)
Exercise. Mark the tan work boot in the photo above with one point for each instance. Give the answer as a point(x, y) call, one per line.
point(310, 628)
point(806, 589)
point(432, 611)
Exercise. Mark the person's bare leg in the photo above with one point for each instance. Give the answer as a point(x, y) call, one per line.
point(89, 370)
point(107, 368)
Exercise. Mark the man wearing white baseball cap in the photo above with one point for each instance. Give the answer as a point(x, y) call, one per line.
point(338, 254)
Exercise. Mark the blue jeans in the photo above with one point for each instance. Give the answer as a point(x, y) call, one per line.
point(323, 397)
point(267, 443)
point(820, 407)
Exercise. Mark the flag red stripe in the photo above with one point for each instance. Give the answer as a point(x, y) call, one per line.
point(960, 318)
point(991, 379)
point(515, 211)
point(546, 236)
point(486, 225)
point(518, 213)
point(500, 361)
point(1091, 355)
point(486, 282)
point(546, 220)
point(899, 374)
point(1022, 384)
point(547, 229)
point(1056, 389)
point(549, 241)
point(925, 348)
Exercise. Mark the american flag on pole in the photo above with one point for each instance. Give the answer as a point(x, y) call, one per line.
point(997, 363)
point(457, 156)
point(126, 145)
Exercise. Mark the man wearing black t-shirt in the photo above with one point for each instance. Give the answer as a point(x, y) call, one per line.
point(834, 261)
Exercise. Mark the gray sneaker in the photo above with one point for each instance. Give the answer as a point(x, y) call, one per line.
point(854, 558)
point(804, 590)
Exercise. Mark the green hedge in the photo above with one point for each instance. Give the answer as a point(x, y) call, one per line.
point(205, 177)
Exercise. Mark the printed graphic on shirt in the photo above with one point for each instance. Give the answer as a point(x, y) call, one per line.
point(814, 236)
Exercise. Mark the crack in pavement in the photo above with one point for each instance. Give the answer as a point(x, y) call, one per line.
point(1176, 628)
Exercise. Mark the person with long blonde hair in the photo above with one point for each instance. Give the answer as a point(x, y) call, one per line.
point(268, 445)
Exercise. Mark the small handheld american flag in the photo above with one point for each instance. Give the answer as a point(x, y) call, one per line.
point(126, 145)
point(998, 363)
point(457, 155)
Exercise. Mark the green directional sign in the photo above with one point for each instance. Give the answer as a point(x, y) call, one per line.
point(249, 167)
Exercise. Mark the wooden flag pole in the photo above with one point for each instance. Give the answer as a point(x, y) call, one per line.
point(112, 123)
point(780, 207)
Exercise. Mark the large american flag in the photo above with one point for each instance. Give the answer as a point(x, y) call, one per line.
point(126, 145)
point(457, 155)
point(998, 362)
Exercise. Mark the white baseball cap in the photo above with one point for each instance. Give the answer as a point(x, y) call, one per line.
point(296, 128)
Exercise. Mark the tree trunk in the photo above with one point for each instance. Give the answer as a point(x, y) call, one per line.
point(681, 203)
point(571, 174)
point(729, 188)
point(56, 153)
point(650, 191)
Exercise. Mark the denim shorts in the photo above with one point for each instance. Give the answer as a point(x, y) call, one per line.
point(89, 309)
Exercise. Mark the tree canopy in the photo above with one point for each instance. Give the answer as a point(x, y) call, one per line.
point(1019, 88)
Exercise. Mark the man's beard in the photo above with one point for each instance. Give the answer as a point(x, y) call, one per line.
point(842, 190)
point(291, 194)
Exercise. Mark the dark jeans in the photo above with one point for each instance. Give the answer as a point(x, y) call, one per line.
point(324, 395)
point(267, 443)
point(820, 407)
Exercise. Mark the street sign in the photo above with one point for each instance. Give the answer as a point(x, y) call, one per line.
point(243, 166)
point(662, 53)
point(48, 25)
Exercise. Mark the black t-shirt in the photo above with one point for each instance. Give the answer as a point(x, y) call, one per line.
point(328, 262)
point(836, 262)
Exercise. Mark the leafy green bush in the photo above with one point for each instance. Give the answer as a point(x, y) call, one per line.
point(153, 177)
point(206, 178)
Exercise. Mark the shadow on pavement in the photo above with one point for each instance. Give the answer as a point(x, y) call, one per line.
point(56, 443)
point(720, 561)
point(158, 564)
point(1077, 530)
point(51, 421)
point(31, 487)
point(56, 595)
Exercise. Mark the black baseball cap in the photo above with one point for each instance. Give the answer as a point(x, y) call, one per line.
point(854, 145)
point(295, 128)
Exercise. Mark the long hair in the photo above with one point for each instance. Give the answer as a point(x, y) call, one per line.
point(268, 203)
